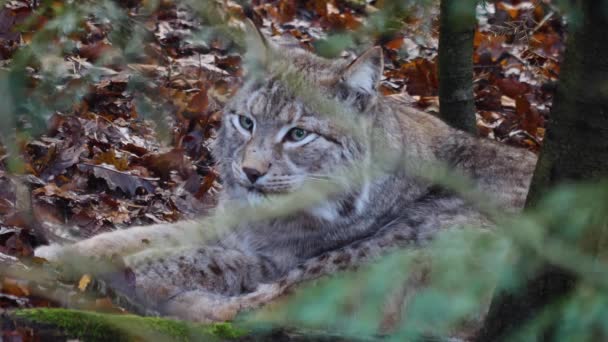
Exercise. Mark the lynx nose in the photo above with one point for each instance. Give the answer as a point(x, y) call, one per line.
point(252, 174)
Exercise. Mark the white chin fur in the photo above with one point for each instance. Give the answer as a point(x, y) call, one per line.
point(50, 253)
point(325, 211)
point(254, 198)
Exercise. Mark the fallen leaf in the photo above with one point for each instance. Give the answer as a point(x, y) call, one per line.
point(199, 102)
point(110, 158)
point(84, 282)
point(163, 163)
point(15, 287)
point(512, 88)
point(120, 180)
point(65, 158)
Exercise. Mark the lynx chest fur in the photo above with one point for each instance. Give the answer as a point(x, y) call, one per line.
point(316, 127)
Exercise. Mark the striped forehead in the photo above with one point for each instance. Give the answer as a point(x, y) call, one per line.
point(272, 100)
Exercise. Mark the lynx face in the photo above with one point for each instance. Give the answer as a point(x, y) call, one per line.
point(272, 142)
point(277, 143)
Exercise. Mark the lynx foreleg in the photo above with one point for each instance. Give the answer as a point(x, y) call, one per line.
point(398, 234)
point(123, 242)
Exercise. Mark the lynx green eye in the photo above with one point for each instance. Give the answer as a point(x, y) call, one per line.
point(296, 134)
point(246, 122)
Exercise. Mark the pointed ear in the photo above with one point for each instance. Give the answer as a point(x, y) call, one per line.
point(365, 72)
point(257, 45)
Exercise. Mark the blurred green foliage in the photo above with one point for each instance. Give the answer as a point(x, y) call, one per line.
point(94, 326)
point(467, 266)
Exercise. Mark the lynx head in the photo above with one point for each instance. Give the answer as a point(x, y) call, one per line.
point(273, 140)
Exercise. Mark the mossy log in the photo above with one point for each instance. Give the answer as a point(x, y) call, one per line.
point(57, 324)
point(62, 324)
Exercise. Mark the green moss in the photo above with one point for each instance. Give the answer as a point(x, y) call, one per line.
point(93, 326)
point(226, 331)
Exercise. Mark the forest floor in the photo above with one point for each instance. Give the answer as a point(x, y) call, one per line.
point(135, 151)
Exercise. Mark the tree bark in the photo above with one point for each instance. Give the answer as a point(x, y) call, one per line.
point(575, 149)
point(576, 145)
point(456, 32)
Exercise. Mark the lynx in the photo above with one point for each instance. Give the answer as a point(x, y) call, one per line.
point(275, 142)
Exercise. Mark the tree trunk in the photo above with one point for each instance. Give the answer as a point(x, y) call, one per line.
point(456, 32)
point(576, 145)
point(575, 149)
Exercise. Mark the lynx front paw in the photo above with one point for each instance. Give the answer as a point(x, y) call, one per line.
point(202, 307)
point(51, 252)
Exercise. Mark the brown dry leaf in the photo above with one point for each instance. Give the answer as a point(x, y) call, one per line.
point(84, 282)
point(529, 115)
point(551, 69)
point(395, 44)
point(6, 206)
point(287, 11)
point(488, 98)
point(135, 149)
point(110, 158)
point(62, 160)
point(513, 11)
point(488, 43)
point(163, 163)
point(234, 9)
point(48, 213)
point(121, 216)
point(15, 287)
point(512, 88)
point(522, 105)
point(207, 184)
point(51, 189)
point(94, 51)
point(149, 70)
point(421, 77)
point(86, 219)
point(550, 44)
point(229, 63)
point(199, 102)
point(318, 6)
point(341, 21)
point(18, 244)
point(13, 13)
point(507, 102)
point(429, 102)
point(200, 65)
point(115, 179)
